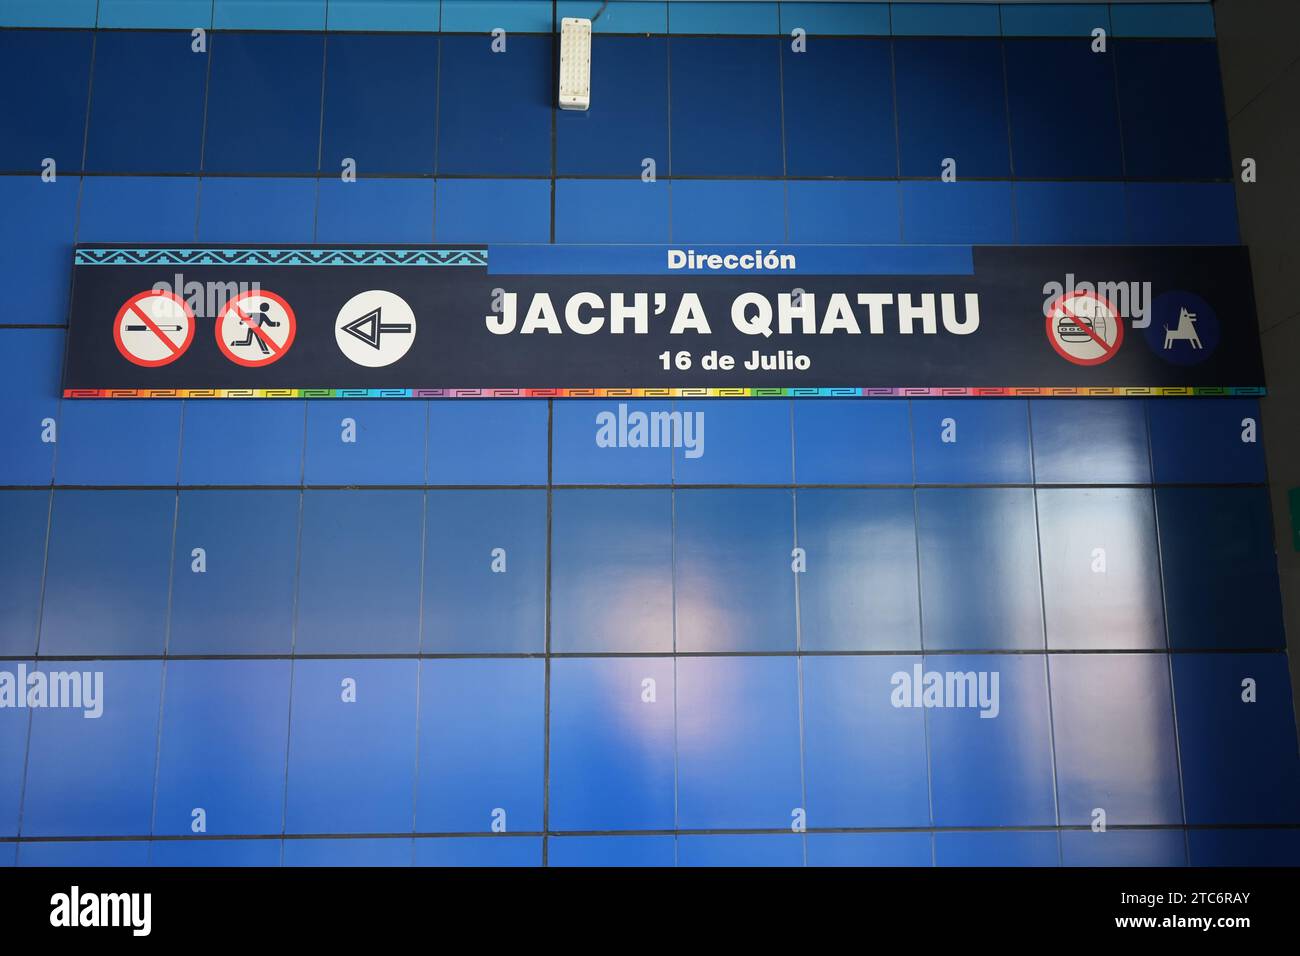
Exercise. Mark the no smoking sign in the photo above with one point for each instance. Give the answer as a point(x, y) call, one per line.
point(1084, 328)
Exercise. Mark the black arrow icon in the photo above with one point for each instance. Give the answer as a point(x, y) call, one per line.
point(369, 328)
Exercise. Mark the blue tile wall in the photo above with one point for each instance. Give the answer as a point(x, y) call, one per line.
point(655, 661)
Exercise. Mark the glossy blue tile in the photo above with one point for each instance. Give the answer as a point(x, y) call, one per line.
point(499, 120)
point(1219, 441)
point(237, 442)
point(1123, 848)
point(1075, 213)
point(619, 16)
point(48, 121)
point(380, 95)
point(155, 14)
point(1051, 82)
point(222, 748)
point(236, 595)
point(365, 443)
point(851, 212)
point(264, 103)
point(103, 442)
point(340, 779)
point(1237, 740)
point(215, 853)
point(613, 443)
point(859, 591)
point(838, 107)
point(864, 759)
point(14, 725)
point(612, 851)
point(269, 14)
point(979, 569)
point(868, 849)
point(113, 853)
point(483, 16)
point(30, 365)
point(111, 207)
point(107, 571)
point(744, 73)
point(388, 851)
point(478, 851)
point(487, 442)
point(1163, 20)
point(482, 746)
point(846, 441)
point(733, 570)
point(987, 771)
point(944, 19)
point(1244, 847)
point(1182, 213)
point(65, 13)
point(492, 210)
point(118, 99)
point(1099, 440)
point(959, 442)
point(244, 210)
point(36, 233)
point(994, 848)
point(951, 105)
point(740, 849)
point(735, 441)
point(106, 442)
point(723, 18)
point(484, 572)
point(832, 19)
point(728, 211)
point(628, 120)
point(359, 572)
point(589, 210)
point(402, 15)
point(737, 745)
point(8, 854)
point(1100, 589)
point(1220, 569)
point(1114, 730)
point(612, 756)
point(95, 776)
point(978, 213)
point(24, 518)
point(1171, 107)
point(611, 571)
point(1054, 19)
point(375, 210)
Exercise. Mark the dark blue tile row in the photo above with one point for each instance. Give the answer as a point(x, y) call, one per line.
point(655, 744)
point(129, 572)
point(419, 104)
point(1191, 19)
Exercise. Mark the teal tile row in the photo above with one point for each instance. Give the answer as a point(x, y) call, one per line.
point(1194, 19)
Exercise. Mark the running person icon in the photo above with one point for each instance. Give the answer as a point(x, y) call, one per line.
point(259, 317)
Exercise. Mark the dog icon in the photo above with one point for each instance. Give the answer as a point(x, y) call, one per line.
point(1186, 331)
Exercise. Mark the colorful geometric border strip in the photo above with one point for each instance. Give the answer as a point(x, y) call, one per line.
point(290, 256)
point(1010, 392)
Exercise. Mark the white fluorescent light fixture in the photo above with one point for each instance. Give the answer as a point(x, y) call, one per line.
point(575, 63)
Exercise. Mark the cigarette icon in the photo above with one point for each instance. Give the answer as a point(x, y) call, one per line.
point(145, 328)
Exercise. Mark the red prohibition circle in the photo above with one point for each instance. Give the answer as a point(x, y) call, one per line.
point(177, 350)
point(1110, 350)
point(275, 353)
